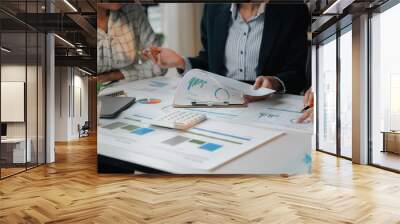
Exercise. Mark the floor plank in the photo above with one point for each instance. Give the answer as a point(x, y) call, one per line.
point(71, 191)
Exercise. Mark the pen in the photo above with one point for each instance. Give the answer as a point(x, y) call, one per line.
point(152, 51)
point(307, 107)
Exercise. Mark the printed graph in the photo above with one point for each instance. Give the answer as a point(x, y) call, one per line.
point(222, 94)
point(133, 129)
point(202, 145)
point(193, 82)
point(155, 83)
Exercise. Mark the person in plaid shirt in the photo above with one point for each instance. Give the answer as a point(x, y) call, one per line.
point(123, 31)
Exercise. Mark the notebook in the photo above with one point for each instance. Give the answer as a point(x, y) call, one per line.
point(112, 106)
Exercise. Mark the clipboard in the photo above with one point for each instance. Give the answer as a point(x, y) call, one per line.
point(199, 88)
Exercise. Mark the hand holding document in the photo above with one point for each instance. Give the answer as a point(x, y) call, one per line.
point(201, 88)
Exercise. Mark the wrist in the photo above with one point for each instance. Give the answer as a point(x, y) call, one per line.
point(181, 63)
point(278, 84)
point(117, 75)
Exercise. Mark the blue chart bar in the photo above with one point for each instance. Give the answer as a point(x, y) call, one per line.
point(155, 83)
point(223, 134)
point(210, 147)
point(142, 131)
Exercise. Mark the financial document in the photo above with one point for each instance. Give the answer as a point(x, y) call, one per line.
point(280, 110)
point(227, 134)
point(204, 147)
point(155, 98)
point(201, 86)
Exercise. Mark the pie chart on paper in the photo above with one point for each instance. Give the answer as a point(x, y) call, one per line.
point(149, 101)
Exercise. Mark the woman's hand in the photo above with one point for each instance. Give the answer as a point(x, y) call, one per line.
point(269, 82)
point(164, 57)
point(110, 76)
point(308, 115)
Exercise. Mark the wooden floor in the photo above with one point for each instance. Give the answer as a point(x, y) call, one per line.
point(5, 172)
point(70, 191)
point(387, 159)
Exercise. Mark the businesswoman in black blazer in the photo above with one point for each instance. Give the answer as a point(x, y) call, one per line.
point(258, 43)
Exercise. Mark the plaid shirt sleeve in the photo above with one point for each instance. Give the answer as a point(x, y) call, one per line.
point(103, 46)
point(145, 37)
point(130, 33)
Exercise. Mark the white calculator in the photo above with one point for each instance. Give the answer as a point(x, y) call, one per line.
point(179, 120)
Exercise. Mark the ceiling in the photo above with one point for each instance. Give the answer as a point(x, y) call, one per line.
point(75, 22)
point(72, 20)
point(332, 15)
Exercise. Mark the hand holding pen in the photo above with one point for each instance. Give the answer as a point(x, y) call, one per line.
point(164, 57)
point(308, 110)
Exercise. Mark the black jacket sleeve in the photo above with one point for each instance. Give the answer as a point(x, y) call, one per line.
point(201, 61)
point(293, 73)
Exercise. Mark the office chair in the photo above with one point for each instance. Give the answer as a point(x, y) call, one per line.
point(84, 130)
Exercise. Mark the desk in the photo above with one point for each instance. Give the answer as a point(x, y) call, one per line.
point(391, 141)
point(289, 153)
point(13, 150)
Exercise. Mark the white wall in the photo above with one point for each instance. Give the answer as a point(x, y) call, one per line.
point(16, 72)
point(81, 104)
point(61, 104)
point(34, 125)
point(69, 85)
point(181, 26)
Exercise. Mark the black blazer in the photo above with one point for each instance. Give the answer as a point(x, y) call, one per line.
point(283, 50)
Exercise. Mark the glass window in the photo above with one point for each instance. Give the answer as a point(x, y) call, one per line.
point(15, 149)
point(385, 88)
point(346, 93)
point(326, 102)
point(22, 91)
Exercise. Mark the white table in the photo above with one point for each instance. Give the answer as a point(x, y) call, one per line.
point(18, 148)
point(287, 154)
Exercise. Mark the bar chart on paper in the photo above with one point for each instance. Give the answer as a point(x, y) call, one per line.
point(203, 147)
point(283, 118)
point(278, 111)
point(199, 86)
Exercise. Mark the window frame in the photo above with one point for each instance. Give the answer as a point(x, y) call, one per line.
point(378, 10)
point(342, 27)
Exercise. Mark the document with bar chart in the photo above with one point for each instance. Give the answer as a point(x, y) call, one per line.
point(203, 147)
point(198, 86)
